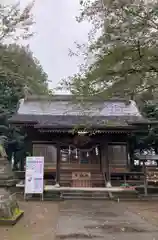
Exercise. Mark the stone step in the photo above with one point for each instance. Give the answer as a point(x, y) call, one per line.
point(70, 179)
point(92, 180)
point(84, 198)
point(84, 195)
point(126, 195)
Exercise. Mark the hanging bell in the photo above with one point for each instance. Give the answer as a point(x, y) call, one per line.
point(87, 154)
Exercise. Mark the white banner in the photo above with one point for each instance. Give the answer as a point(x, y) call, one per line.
point(34, 175)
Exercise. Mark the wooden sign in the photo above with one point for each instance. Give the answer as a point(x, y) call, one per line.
point(81, 175)
point(118, 170)
point(81, 179)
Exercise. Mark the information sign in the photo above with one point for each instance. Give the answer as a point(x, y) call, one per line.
point(34, 175)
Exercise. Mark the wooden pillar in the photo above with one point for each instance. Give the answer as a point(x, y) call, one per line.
point(145, 179)
point(107, 163)
point(104, 159)
point(58, 165)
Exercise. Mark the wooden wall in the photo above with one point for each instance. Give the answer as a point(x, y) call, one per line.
point(113, 149)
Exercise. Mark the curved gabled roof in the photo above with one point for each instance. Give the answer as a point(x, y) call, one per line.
point(64, 111)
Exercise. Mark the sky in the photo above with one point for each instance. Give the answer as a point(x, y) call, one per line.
point(56, 31)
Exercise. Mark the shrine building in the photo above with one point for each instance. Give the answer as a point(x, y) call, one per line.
point(88, 140)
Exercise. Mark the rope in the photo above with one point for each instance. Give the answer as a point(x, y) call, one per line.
point(82, 150)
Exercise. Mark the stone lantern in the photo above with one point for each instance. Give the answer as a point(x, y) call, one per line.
point(9, 209)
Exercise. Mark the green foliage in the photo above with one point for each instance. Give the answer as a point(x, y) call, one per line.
point(15, 23)
point(12, 139)
point(124, 55)
point(150, 110)
point(20, 74)
point(18, 70)
point(147, 137)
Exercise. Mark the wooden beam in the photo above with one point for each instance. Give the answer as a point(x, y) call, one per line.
point(42, 142)
point(117, 143)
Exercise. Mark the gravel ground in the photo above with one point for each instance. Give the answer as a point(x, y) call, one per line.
point(83, 219)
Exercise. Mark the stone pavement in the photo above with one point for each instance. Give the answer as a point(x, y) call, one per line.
point(39, 222)
point(102, 220)
point(85, 219)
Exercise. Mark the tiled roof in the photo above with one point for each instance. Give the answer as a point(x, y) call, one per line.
point(62, 111)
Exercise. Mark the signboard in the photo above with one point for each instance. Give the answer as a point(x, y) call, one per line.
point(34, 174)
point(152, 174)
point(147, 163)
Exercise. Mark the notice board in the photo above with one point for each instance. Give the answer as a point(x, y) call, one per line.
point(34, 175)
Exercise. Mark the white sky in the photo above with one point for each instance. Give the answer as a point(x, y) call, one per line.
point(56, 30)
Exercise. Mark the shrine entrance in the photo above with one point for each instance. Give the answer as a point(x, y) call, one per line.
point(79, 165)
point(80, 161)
point(74, 155)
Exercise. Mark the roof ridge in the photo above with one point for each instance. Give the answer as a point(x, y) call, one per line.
point(69, 97)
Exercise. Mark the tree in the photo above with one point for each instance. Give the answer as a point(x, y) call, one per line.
point(147, 136)
point(19, 70)
point(124, 59)
point(125, 53)
point(14, 23)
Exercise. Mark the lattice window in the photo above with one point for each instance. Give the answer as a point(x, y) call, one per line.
point(118, 154)
point(48, 151)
